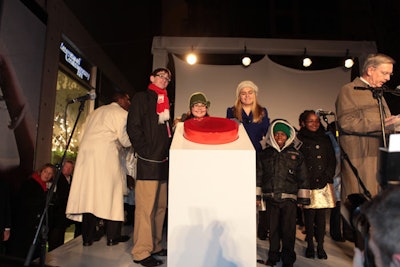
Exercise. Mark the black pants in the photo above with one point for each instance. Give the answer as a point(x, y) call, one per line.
point(56, 237)
point(130, 214)
point(335, 223)
point(89, 222)
point(263, 225)
point(315, 224)
point(282, 226)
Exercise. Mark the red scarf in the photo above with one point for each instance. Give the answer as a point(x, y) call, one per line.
point(162, 108)
point(37, 178)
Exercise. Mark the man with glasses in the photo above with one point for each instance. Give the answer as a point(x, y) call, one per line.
point(149, 130)
point(360, 123)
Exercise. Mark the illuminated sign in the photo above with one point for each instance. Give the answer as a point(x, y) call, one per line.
point(75, 62)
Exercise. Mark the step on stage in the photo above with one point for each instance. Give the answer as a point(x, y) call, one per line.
point(73, 254)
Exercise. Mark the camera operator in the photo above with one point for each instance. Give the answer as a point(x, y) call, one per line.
point(379, 221)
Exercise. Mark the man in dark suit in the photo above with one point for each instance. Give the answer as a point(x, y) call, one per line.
point(58, 222)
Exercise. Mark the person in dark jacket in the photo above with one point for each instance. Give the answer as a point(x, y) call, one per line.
point(149, 129)
point(282, 177)
point(58, 220)
point(31, 203)
point(321, 163)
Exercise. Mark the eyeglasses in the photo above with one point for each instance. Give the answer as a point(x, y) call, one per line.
point(385, 73)
point(199, 105)
point(164, 77)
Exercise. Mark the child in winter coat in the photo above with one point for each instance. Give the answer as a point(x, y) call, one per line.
point(282, 178)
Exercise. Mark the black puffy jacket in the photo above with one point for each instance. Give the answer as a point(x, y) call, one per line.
point(319, 157)
point(283, 171)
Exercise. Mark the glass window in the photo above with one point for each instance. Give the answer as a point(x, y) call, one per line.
point(66, 115)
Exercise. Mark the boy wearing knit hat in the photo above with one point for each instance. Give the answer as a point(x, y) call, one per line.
point(283, 180)
point(281, 133)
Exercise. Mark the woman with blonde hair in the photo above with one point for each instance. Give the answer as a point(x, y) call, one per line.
point(255, 120)
point(250, 113)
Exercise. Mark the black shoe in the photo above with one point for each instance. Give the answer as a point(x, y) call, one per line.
point(161, 253)
point(87, 244)
point(261, 261)
point(321, 253)
point(115, 241)
point(310, 253)
point(150, 261)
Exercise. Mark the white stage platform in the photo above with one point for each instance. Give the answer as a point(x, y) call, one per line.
point(211, 202)
point(73, 254)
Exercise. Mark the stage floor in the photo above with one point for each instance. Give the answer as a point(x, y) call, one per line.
point(73, 254)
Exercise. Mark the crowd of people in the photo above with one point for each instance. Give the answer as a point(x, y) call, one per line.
point(296, 170)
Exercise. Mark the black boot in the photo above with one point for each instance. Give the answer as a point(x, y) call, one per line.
point(310, 252)
point(321, 253)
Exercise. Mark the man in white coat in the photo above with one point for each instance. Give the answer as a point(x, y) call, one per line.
point(99, 183)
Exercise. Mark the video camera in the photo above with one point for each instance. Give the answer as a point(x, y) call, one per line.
point(356, 204)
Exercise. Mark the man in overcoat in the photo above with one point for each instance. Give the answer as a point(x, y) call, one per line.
point(99, 183)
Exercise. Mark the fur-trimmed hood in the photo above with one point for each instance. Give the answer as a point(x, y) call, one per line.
point(269, 140)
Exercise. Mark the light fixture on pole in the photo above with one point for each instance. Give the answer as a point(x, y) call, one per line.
point(306, 60)
point(348, 60)
point(191, 58)
point(246, 60)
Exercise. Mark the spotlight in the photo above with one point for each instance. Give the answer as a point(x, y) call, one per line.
point(306, 60)
point(246, 60)
point(348, 61)
point(191, 59)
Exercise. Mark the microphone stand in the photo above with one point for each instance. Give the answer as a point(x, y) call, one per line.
point(347, 159)
point(353, 200)
point(42, 227)
point(377, 93)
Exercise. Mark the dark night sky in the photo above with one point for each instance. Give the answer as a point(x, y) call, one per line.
point(125, 28)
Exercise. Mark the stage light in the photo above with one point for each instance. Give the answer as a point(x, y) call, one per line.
point(306, 60)
point(246, 60)
point(191, 58)
point(348, 60)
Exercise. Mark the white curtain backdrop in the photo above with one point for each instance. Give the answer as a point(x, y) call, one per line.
point(285, 92)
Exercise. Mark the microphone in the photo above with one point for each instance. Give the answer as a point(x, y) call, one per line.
point(320, 112)
point(89, 96)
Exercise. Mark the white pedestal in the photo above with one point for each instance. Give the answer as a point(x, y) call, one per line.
point(212, 203)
